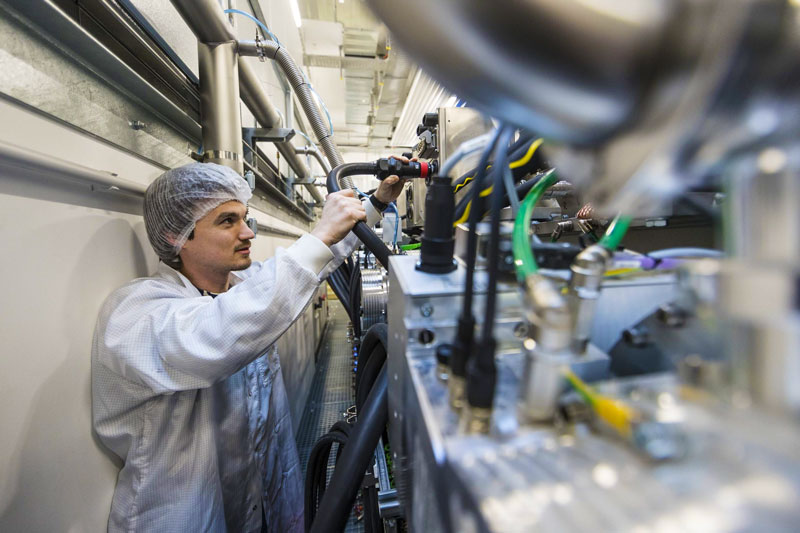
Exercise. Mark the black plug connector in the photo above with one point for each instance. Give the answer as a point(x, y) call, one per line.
point(389, 166)
point(482, 376)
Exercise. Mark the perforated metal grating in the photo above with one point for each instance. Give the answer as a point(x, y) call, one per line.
point(331, 392)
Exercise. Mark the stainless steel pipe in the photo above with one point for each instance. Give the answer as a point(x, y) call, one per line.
point(219, 104)
point(314, 152)
point(209, 24)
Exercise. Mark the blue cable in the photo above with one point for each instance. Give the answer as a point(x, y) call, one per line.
point(397, 219)
point(251, 17)
point(310, 142)
point(321, 102)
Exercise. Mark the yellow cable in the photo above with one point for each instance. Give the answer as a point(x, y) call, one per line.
point(613, 412)
point(527, 157)
point(522, 161)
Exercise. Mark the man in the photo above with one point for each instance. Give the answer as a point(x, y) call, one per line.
point(186, 384)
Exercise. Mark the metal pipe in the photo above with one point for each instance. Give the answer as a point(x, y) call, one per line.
point(209, 24)
point(13, 157)
point(277, 194)
point(301, 87)
point(219, 104)
point(313, 151)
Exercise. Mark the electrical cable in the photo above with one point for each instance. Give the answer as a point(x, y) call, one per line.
point(482, 372)
point(493, 255)
point(613, 412)
point(522, 157)
point(465, 333)
point(342, 292)
point(348, 475)
point(465, 205)
point(355, 302)
point(377, 334)
point(317, 467)
point(511, 193)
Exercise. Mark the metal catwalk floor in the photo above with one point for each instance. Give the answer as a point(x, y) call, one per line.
point(331, 391)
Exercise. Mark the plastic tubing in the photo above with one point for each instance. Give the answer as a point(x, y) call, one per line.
point(668, 253)
point(615, 232)
point(524, 260)
point(254, 19)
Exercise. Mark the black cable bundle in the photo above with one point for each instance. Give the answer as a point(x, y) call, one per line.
point(317, 470)
point(339, 280)
point(371, 356)
point(357, 455)
point(355, 301)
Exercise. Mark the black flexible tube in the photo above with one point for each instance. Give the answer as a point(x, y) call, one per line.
point(356, 456)
point(338, 290)
point(317, 468)
point(377, 334)
point(355, 302)
point(373, 243)
point(369, 373)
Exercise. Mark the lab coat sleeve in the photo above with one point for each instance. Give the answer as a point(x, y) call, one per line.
point(153, 334)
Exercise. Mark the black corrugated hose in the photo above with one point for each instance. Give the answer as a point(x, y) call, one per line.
point(338, 498)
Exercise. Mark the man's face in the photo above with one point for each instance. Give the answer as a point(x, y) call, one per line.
point(221, 241)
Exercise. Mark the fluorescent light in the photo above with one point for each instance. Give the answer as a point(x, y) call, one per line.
point(425, 96)
point(451, 102)
point(295, 12)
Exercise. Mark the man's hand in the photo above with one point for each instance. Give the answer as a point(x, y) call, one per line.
point(391, 187)
point(341, 212)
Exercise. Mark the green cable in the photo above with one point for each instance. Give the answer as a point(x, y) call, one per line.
point(615, 232)
point(412, 246)
point(524, 260)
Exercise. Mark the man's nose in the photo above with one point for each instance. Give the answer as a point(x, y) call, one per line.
point(245, 233)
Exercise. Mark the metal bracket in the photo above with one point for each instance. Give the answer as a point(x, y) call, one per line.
point(274, 135)
point(251, 136)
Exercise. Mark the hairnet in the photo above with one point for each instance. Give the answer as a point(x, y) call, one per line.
point(180, 197)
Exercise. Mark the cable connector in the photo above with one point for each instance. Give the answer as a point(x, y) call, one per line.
point(459, 356)
point(481, 381)
point(389, 166)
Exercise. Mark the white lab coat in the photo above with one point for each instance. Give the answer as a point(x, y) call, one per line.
point(187, 391)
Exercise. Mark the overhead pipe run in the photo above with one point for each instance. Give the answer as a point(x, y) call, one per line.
point(209, 24)
point(299, 83)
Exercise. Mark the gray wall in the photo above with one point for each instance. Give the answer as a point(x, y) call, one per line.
point(64, 248)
